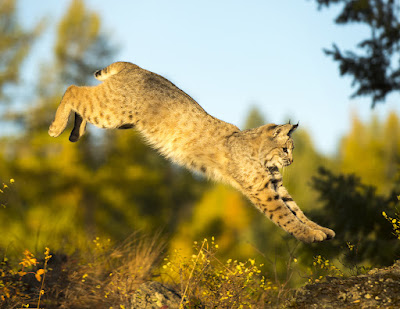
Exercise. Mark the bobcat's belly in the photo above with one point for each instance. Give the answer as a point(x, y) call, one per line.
point(106, 119)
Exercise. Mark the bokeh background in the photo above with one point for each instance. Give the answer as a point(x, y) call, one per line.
point(246, 63)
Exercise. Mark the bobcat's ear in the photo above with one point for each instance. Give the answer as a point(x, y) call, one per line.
point(294, 127)
point(277, 131)
point(285, 129)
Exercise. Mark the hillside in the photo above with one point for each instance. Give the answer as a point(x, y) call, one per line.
point(379, 288)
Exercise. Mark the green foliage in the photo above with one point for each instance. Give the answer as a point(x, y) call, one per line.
point(110, 184)
point(374, 70)
point(395, 222)
point(4, 189)
point(372, 151)
point(354, 211)
point(137, 184)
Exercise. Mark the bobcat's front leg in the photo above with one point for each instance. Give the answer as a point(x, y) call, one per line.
point(271, 204)
point(62, 113)
point(298, 212)
point(277, 185)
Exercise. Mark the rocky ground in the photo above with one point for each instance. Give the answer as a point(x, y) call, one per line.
point(379, 288)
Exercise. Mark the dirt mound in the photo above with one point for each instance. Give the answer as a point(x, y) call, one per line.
point(379, 288)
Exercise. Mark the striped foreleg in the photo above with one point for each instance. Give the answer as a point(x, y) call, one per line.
point(291, 204)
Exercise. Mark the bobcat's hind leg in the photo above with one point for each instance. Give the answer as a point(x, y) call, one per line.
point(62, 114)
point(79, 128)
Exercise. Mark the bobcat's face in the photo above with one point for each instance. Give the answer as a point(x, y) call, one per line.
point(277, 149)
point(280, 155)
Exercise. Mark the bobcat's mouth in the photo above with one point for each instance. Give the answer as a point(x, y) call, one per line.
point(286, 163)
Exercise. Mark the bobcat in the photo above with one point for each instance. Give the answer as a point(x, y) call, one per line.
point(181, 130)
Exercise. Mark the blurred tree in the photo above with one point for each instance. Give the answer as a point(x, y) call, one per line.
point(140, 190)
point(372, 151)
point(353, 199)
point(81, 46)
point(220, 213)
point(297, 176)
point(106, 184)
point(254, 118)
point(55, 188)
point(80, 49)
point(354, 211)
point(376, 70)
point(391, 147)
point(15, 43)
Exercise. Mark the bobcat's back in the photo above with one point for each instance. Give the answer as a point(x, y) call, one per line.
point(169, 119)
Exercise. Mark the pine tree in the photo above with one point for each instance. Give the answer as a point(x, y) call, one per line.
point(375, 68)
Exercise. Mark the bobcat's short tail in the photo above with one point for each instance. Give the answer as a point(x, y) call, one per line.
point(112, 69)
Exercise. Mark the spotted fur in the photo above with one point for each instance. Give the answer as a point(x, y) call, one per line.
point(179, 128)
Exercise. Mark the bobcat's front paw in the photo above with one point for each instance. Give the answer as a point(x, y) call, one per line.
point(314, 226)
point(310, 236)
point(54, 131)
point(329, 233)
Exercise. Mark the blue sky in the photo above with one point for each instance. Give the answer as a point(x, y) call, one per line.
point(230, 55)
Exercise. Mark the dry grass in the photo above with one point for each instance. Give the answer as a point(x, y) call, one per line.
point(207, 282)
point(112, 275)
point(101, 277)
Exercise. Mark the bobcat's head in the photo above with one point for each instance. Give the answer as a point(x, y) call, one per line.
point(276, 149)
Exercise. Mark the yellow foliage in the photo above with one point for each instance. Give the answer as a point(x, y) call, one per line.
point(322, 268)
point(28, 260)
point(371, 151)
point(221, 212)
point(395, 223)
point(205, 279)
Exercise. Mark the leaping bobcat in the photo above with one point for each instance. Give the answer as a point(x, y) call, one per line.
point(181, 130)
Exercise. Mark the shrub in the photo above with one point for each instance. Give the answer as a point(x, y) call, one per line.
point(206, 282)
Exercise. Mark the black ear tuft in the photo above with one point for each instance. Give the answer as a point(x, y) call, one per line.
point(294, 127)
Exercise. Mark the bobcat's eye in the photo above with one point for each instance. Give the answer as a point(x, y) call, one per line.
point(285, 150)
